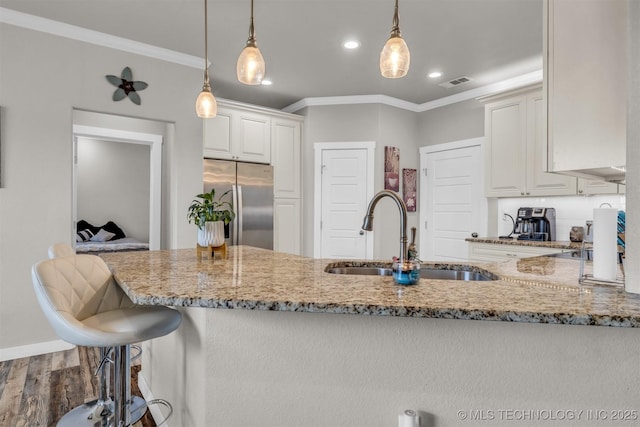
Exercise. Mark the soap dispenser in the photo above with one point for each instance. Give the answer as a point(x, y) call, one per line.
point(412, 251)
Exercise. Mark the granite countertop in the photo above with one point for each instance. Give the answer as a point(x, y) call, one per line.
point(555, 244)
point(536, 290)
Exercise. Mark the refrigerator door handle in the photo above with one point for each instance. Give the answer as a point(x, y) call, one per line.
point(239, 215)
point(234, 200)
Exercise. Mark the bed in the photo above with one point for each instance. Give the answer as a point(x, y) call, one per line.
point(116, 245)
point(105, 238)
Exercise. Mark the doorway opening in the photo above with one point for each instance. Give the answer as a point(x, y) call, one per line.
point(132, 153)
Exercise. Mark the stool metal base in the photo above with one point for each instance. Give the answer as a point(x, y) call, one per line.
point(85, 415)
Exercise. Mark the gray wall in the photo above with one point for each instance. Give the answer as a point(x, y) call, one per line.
point(113, 185)
point(387, 126)
point(455, 122)
point(35, 198)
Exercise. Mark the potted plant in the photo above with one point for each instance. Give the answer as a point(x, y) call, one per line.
point(210, 216)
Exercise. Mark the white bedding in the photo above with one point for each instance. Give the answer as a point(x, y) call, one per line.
point(126, 244)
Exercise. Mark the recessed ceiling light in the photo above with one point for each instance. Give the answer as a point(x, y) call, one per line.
point(351, 44)
point(435, 75)
point(266, 82)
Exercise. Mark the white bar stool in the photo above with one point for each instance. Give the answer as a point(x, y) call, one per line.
point(85, 306)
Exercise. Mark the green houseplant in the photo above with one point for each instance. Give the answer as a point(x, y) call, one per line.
point(210, 215)
point(208, 209)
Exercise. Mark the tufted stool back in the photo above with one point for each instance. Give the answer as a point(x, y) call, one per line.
point(74, 288)
point(59, 250)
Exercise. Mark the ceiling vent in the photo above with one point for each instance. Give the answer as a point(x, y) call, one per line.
point(455, 82)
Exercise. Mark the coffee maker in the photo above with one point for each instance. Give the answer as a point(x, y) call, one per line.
point(536, 224)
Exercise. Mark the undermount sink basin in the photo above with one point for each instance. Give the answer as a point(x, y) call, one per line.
point(466, 273)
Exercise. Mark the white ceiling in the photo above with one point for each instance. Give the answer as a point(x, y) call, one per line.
point(487, 40)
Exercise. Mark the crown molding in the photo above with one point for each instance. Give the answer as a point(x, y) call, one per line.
point(36, 23)
point(491, 89)
point(351, 100)
point(44, 25)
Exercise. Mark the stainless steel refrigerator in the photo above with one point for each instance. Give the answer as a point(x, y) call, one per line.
point(251, 193)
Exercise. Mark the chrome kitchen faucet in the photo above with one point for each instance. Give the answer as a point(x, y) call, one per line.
point(367, 225)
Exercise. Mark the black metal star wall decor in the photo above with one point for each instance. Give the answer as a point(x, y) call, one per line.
point(126, 87)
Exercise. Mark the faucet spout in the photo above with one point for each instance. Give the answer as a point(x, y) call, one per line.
point(367, 224)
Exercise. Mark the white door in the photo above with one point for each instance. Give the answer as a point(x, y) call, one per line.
point(452, 202)
point(344, 203)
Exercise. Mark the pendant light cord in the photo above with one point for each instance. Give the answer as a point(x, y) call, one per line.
point(206, 47)
point(252, 34)
point(395, 26)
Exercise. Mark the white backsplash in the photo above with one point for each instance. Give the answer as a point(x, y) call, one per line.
point(570, 210)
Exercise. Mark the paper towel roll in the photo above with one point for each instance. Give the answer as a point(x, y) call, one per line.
point(605, 244)
point(408, 418)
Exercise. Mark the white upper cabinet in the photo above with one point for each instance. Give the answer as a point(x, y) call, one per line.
point(590, 186)
point(238, 134)
point(585, 55)
point(285, 157)
point(217, 135)
point(516, 149)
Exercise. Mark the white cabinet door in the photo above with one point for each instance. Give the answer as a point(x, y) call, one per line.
point(285, 157)
point(516, 151)
point(505, 156)
point(588, 186)
point(217, 134)
point(253, 143)
point(586, 73)
point(287, 226)
point(238, 134)
point(540, 182)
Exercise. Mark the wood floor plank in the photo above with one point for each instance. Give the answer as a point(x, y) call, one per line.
point(36, 393)
point(5, 367)
point(33, 394)
point(65, 359)
point(12, 393)
point(89, 360)
point(66, 391)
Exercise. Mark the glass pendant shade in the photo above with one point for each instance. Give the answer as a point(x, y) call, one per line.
point(250, 67)
point(206, 105)
point(395, 58)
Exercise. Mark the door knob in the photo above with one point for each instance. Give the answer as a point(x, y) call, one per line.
point(474, 235)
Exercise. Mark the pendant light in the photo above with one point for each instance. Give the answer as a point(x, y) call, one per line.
point(206, 105)
point(395, 56)
point(250, 66)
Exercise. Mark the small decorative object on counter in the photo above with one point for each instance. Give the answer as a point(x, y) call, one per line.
point(412, 252)
point(588, 232)
point(576, 234)
point(407, 272)
point(210, 216)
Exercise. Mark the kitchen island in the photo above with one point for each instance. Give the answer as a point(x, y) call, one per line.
point(308, 348)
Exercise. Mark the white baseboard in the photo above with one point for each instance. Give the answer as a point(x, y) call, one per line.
point(29, 350)
point(146, 392)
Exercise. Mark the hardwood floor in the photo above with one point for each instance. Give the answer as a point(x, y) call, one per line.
point(37, 391)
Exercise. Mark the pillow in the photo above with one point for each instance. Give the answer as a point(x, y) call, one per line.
point(111, 227)
point(102, 236)
point(84, 225)
point(84, 235)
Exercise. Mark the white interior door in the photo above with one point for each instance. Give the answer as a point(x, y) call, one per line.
point(452, 202)
point(344, 203)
